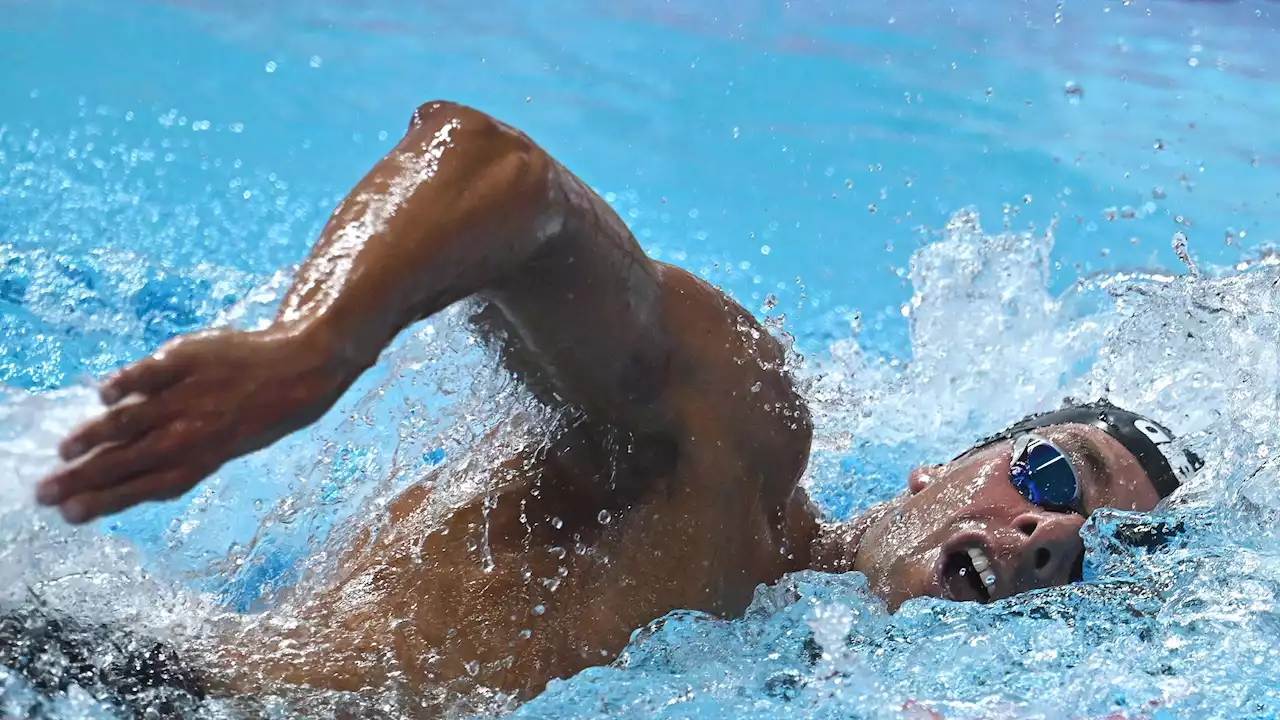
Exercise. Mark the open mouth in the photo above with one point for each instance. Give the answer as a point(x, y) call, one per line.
point(968, 574)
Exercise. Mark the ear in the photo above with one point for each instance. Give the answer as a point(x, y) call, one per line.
point(920, 478)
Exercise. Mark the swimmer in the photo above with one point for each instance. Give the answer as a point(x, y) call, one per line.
point(672, 483)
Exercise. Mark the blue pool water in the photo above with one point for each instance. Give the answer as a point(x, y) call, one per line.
point(850, 166)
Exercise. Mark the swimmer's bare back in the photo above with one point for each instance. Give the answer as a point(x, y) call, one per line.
point(687, 435)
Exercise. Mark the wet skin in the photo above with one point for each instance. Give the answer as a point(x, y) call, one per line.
point(682, 426)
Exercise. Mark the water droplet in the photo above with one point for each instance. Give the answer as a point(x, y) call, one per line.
point(604, 517)
point(1180, 249)
point(472, 667)
point(524, 634)
point(765, 249)
point(735, 133)
point(871, 208)
point(1158, 192)
point(1026, 199)
point(770, 301)
point(316, 61)
point(848, 184)
point(755, 388)
point(1073, 91)
point(271, 66)
point(557, 523)
point(539, 609)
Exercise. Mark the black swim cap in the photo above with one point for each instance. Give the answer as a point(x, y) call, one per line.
point(1149, 441)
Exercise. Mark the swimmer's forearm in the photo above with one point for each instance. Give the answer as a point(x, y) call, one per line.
point(458, 204)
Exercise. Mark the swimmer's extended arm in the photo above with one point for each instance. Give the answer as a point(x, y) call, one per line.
point(463, 205)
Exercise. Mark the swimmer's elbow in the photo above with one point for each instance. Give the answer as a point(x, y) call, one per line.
point(484, 159)
point(436, 112)
point(443, 124)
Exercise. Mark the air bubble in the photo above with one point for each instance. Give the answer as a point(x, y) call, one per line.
point(539, 609)
point(271, 66)
point(765, 249)
point(557, 523)
point(604, 517)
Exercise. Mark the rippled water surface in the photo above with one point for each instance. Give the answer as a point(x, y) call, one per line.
point(961, 213)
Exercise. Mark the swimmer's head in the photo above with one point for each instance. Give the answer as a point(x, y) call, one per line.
point(1005, 516)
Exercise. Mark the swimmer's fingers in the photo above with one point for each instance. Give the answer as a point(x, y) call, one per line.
point(147, 376)
point(164, 485)
point(112, 464)
point(131, 418)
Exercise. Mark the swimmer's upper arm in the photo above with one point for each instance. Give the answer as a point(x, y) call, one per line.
point(586, 309)
point(465, 205)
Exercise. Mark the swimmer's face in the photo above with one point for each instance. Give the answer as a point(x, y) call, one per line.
point(923, 544)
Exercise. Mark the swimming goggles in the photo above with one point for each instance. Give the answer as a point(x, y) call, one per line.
point(1041, 472)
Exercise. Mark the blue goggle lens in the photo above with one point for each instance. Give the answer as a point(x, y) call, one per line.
point(1043, 475)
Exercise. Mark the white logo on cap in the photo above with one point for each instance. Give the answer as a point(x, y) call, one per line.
point(1178, 461)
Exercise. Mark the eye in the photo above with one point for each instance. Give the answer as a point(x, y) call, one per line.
point(1095, 476)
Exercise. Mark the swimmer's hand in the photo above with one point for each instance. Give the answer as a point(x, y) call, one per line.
point(176, 417)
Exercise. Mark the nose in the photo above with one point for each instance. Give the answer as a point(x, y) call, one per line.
point(1051, 546)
